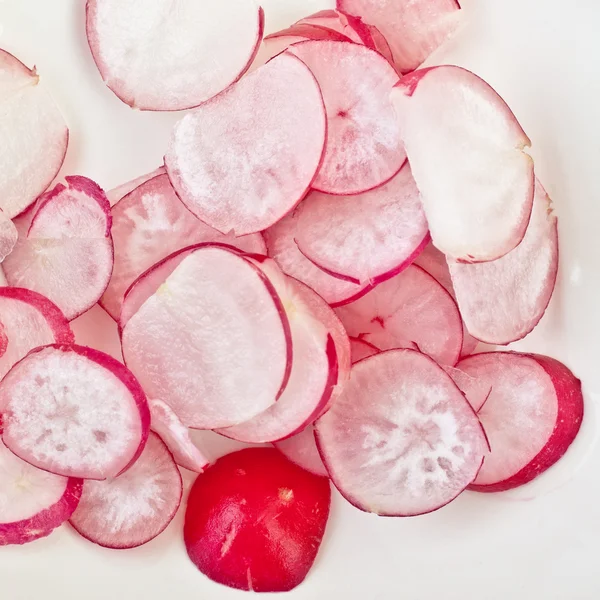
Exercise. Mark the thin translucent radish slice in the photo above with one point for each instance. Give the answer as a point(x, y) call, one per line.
point(502, 301)
point(477, 189)
point(476, 391)
point(410, 309)
point(8, 236)
point(362, 349)
point(2, 277)
point(33, 133)
point(401, 440)
point(122, 190)
point(364, 148)
point(67, 253)
point(246, 158)
point(334, 21)
point(74, 411)
point(302, 450)
point(134, 508)
point(160, 56)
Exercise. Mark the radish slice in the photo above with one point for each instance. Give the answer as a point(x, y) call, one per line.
point(302, 450)
point(162, 56)
point(362, 349)
point(364, 148)
point(192, 343)
point(74, 411)
point(401, 440)
point(333, 21)
point(34, 136)
point(8, 236)
point(496, 305)
point(134, 508)
point(410, 309)
point(476, 391)
point(366, 238)
point(477, 190)
point(243, 160)
point(2, 277)
point(67, 253)
point(123, 190)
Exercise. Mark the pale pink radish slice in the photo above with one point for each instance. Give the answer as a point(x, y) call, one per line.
point(243, 160)
point(401, 440)
point(193, 342)
point(8, 236)
point(364, 148)
point(2, 277)
point(502, 301)
point(410, 309)
point(475, 390)
point(134, 508)
point(67, 253)
point(161, 56)
point(333, 21)
point(366, 238)
point(33, 133)
point(532, 415)
point(122, 190)
point(74, 411)
point(477, 189)
point(302, 450)
point(362, 349)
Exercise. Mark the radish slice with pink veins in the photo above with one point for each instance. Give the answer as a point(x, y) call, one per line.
point(8, 236)
point(401, 440)
point(362, 349)
point(302, 450)
point(122, 190)
point(477, 190)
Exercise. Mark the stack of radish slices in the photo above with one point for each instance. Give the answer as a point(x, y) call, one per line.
point(333, 232)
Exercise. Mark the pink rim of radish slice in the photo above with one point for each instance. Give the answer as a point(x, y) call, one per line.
point(134, 508)
point(32, 502)
point(410, 309)
point(161, 56)
point(8, 236)
point(74, 411)
point(302, 450)
point(502, 301)
point(401, 440)
point(246, 158)
point(531, 417)
point(67, 253)
point(364, 148)
point(211, 376)
point(34, 136)
point(366, 238)
point(362, 349)
point(477, 189)
point(126, 188)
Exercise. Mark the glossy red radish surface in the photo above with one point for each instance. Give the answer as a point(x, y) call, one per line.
point(255, 521)
point(362, 349)
point(126, 188)
point(302, 450)
point(8, 236)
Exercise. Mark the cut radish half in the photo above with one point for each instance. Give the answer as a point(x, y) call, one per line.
point(477, 189)
point(401, 440)
point(67, 253)
point(364, 148)
point(121, 191)
point(8, 236)
point(33, 133)
point(161, 56)
point(74, 411)
point(362, 349)
point(134, 508)
point(302, 450)
point(243, 160)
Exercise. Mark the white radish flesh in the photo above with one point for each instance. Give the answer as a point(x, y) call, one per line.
point(8, 236)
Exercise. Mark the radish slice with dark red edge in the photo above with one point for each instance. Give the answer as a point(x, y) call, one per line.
point(502, 301)
point(302, 450)
point(362, 349)
point(192, 343)
point(410, 309)
point(8, 236)
point(366, 238)
point(161, 56)
point(74, 411)
point(477, 190)
point(134, 508)
point(401, 440)
point(532, 415)
point(246, 158)
point(34, 136)
point(67, 253)
point(364, 148)
point(122, 190)
point(255, 521)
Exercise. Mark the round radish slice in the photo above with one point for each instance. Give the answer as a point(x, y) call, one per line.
point(33, 133)
point(121, 191)
point(364, 148)
point(255, 521)
point(67, 253)
point(243, 160)
point(401, 440)
point(302, 450)
point(74, 411)
point(333, 21)
point(533, 414)
point(134, 508)
point(362, 349)
point(161, 56)
point(8, 236)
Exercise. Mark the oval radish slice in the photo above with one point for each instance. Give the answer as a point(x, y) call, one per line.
point(401, 440)
point(243, 160)
point(8, 236)
point(74, 411)
point(160, 56)
point(122, 190)
point(364, 148)
point(134, 508)
point(255, 521)
point(302, 450)
point(34, 136)
point(477, 190)
point(362, 349)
